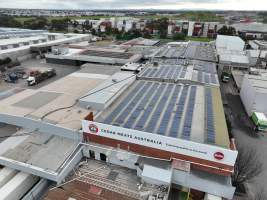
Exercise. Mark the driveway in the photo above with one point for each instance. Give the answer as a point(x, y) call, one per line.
point(243, 132)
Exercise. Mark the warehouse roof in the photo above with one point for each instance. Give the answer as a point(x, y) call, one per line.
point(197, 72)
point(191, 50)
point(21, 40)
point(176, 110)
point(100, 55)
point(141, 41)
point(230, 42)
point(45, 151)
point(104, 94)
point(258, 82)
point(234, 59)
point(64, 92)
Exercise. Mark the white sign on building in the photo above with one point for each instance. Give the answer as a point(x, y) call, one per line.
point(175, 145)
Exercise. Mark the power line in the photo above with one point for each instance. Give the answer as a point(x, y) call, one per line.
point(77, 100)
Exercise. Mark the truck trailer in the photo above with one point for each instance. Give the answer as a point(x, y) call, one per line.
point(37, 76)
point(260, 121)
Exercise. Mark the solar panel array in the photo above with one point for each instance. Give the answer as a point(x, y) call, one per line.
point(178, 73)
point(171, 61)
point(171, 52)
point(107, 54)
point(200, 51)
point(155, 107)
point(167, 72)
point(189, 114)
point(209, 116)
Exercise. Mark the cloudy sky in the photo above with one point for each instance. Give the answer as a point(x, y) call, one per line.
point(138, 4)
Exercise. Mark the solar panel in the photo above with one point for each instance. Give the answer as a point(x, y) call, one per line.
point(142, 121)
point(207, 78)
point(199, 76)
point(131, 105)
point(167, 115)
point(189, 114)
point(179, 112)
point(164, 71)
point(183, 73)
point(147, 71)
point(169, 75)
point(140, 106)
point(209, 117)
point(177, 72)
point(152, 73)
point(127, 99)
point(156, 114)
point(164, 76)
point(213, 79)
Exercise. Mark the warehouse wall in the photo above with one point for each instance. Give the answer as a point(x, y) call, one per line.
point(196, 163)
point(247, 95)
point(260, 104)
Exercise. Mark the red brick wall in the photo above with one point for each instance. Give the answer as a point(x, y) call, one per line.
point(196, 163)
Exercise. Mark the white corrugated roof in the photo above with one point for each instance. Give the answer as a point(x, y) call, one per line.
point(230, 42)
point(20, 40)
point(157, 174)
point(233, 58)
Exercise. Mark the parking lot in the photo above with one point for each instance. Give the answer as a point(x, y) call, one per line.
point(6, 89)
point(243, 132)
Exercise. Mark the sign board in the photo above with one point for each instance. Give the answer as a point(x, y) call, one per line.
point(203, 151)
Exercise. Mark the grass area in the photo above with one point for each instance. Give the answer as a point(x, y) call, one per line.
point(23, 19)
point(201, 16)
point(103, 43)
point(199, 39)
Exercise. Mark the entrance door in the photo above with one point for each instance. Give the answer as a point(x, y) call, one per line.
point(103, 157)
point(92, 154)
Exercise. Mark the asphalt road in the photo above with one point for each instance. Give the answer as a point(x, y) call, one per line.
point(61, 70)
point(245, 136)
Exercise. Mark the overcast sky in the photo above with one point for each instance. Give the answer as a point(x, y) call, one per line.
point(137, 4)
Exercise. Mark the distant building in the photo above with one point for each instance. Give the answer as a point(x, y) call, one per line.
point(230, 50)
point(258, 44)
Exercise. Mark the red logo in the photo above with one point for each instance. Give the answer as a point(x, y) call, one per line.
point(93, 128)
point(219, 155)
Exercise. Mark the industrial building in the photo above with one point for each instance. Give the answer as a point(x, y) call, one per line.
point(258, 44)
point(187, 50)
point(21, 48)
point(6, 33)
point(141, 42)
point(118, 128)
point(174, 71)
point(78, 55)
point(230, 51)
point(189, 130)
point(254, 93)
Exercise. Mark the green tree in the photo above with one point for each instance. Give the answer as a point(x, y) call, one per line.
point(227, 30)
point(36, 23)
point(8, 21)
point(146, 34)
point(162, 26)
point(60, 24)
point(179, 36)
point(247, 166)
